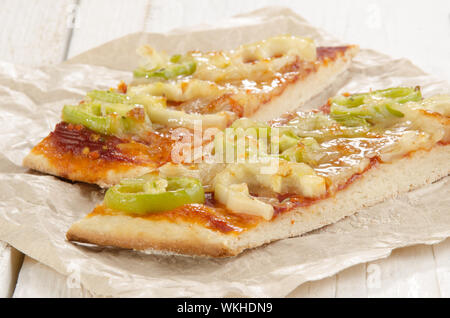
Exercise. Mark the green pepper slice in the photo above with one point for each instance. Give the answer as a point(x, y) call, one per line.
point(103, 118)
point(394, 111)
point(371, 108)
point(399, 95)
point(169, 72)
point(287, 141)
point(155, 194)
point(306, 150)
point(108, 96)
point(80, 116)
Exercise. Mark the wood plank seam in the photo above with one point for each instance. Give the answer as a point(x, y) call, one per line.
point(76, 18)
point(435, 271)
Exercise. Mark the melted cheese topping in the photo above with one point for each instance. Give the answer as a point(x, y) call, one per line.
point(256, 62)
point(237, 81)
point(243, 189)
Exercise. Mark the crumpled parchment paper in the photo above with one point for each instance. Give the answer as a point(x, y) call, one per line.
point(36, 210)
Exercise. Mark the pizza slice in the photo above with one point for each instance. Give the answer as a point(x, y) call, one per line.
point(279, 180)
point(260, 80)
point(130, 130)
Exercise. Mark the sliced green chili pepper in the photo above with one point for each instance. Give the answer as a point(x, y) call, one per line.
point(352, 117)
point(364, 115)
point(306, 150)
point(243, 140)
point(399, 95)
point(176, 58)
point(349, 120)
point(81, 116)
point(371, 108)
point(154, 194)
point(107, 119)
point(108, 96)
point(350, 101)
point(394, 111)
point(287, 141)
point(169, 72)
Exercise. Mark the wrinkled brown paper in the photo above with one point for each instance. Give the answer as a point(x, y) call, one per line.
point(36, 210)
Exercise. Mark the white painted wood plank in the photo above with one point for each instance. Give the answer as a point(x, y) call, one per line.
point(100, 21)
point(408, 272)
point(441, 253)
point(38, 280)
point(351, 283)
point(10, 262)
point(34, 32)
point(324, 288)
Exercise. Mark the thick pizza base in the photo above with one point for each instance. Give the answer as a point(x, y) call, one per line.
point(380, 183)
point(332, 62)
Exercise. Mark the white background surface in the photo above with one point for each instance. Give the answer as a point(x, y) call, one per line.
point(36, 32)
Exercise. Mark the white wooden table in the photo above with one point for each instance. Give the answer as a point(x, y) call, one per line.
point(35, 32)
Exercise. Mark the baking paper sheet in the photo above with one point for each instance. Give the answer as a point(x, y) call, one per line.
point(36, 210)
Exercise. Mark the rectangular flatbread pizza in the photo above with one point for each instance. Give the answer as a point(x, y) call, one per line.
point(128, 131)
point(284, 178)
